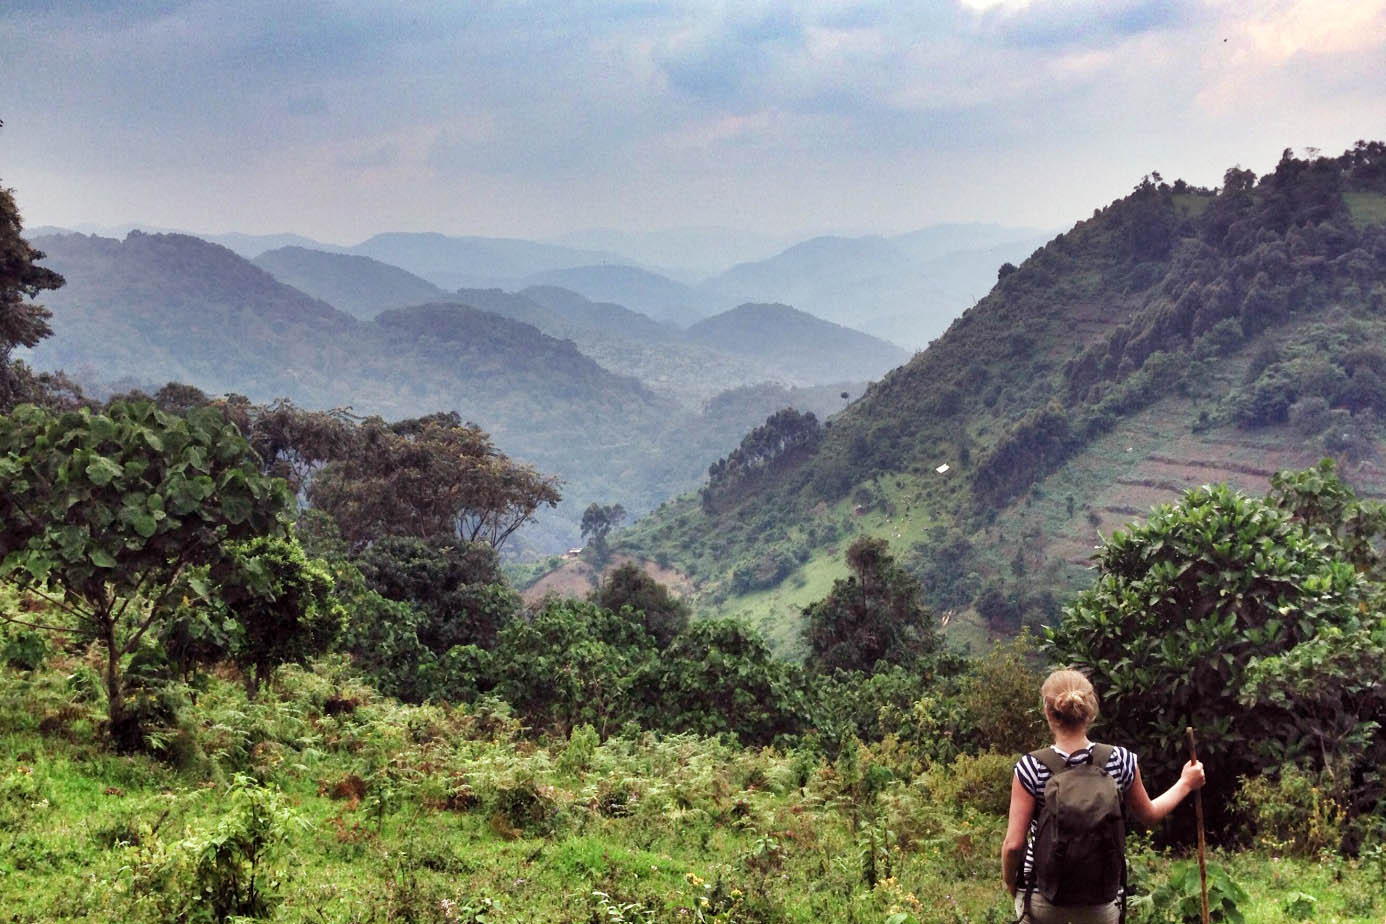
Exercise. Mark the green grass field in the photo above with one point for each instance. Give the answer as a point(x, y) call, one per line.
point(372, 811)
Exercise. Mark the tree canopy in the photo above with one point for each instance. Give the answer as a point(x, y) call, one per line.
point(874, 615)
point(1250, 619)
point(22, 321)
point(429, 477)
point(110, 515)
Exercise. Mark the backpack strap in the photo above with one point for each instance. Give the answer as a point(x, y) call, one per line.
point(1050, 759)
point(1101, 753)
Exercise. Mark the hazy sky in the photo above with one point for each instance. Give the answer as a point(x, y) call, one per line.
point(342, 118)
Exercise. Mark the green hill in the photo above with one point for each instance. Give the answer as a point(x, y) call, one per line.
point(153, 308)
point(803, 347)
point(358, 285)
point(1178, 336)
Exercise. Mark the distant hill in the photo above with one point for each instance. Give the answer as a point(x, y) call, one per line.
point(159, 307)
point(1179, 336)
point(641, 290)
point(805, 348)
point(154, 308)
point(605, 316)
point(927, 244)
point(472, 262)
point(684, 254)
point(357, 285)
point(904, 289)
point(251, 246)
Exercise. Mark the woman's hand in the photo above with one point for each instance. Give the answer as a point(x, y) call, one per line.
point(1192, 775)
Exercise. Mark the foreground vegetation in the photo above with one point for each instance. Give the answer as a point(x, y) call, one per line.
point(319, 800)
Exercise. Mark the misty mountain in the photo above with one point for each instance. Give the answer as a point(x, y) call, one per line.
point(685, 254)
point(904, 289)
point(155, 308)
point(928, 244)
point(604, 316)
point(357, 285)
point(641, 290)
point(807, 349)
point(695, 366)
point(160, 307)
point(251, 246)
point(472, 262)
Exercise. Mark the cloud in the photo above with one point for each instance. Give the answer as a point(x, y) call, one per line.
point(540, 112)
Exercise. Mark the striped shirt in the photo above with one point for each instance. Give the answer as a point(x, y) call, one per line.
point(1121, 766)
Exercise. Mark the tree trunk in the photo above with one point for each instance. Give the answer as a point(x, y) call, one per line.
point(123, 728)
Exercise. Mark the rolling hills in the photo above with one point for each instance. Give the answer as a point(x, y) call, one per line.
point(1179, 336)
point(160, 307)
point(358, 285)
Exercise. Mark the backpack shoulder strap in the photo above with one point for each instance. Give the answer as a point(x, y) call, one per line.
point(1101, 753)
point(1051, 760)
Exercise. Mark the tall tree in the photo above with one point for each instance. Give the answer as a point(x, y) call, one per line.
point(110, 516)
point(22, 321)
point(663, 615)
point(429, 477)
point(876, 614)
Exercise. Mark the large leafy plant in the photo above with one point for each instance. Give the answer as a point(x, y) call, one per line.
point(1187, 606)
point(112, 516)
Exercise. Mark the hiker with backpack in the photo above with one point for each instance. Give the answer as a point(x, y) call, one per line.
point(1064, 858)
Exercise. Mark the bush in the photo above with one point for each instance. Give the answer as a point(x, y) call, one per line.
point(1292, 813)
point(980, 781)
point(1000, 693)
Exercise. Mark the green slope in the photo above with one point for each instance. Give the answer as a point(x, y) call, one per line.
point(1178, 336)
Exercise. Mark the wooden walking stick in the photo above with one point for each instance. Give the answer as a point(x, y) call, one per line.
point(1202, 846)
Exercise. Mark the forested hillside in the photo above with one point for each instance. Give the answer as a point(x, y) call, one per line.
point(156, 308)
point(1178, 336)
point(358, 285)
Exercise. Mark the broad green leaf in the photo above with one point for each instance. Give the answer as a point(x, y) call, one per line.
point(102, 471)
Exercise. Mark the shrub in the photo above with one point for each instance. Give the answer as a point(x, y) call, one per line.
point(1292, 813)
point(977, 781)
point(1000, 693)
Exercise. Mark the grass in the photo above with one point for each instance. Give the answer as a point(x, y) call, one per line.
point(427, 813)
point(1366, 208)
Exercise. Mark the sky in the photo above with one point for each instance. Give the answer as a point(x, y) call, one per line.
point(339, 119)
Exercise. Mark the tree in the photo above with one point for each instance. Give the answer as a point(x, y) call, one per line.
point(282, 601)
point(22, 321)
point(1186, 604)
point(597, 521)
point(458, 588)
point(574, 662)
point(108, 516)
point(429, 477)
point(718, 676)
point(663, 615)
point(874, 615)
point(290, 442)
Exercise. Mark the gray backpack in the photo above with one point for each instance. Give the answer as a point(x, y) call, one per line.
point(1080, 835)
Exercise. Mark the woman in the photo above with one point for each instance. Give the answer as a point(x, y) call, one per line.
point(1070, 705)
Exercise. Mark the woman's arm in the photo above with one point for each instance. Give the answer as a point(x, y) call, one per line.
point(1147, 810)
point(1017, 828)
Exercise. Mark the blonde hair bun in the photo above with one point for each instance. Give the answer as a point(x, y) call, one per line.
point(1069, 698)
